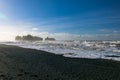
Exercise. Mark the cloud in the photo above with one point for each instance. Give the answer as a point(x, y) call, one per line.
point(9, 31)
point(109, 31)
point(61, 28)
point(106, 30)
point(100, 37)
point(68, 36)
point(116, 31)
point(35, 29)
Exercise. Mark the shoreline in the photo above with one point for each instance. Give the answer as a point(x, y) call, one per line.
point(71, 53)
point(74, 49)
point(30, 64)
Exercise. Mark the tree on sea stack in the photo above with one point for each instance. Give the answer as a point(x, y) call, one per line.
point(28, 38)
point(49, 39)
point(18, 38)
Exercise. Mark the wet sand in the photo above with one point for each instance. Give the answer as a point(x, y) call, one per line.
point(28, 64)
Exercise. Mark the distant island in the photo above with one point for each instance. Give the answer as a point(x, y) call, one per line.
point(32, 38)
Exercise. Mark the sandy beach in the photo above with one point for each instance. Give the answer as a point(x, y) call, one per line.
point(28, 64)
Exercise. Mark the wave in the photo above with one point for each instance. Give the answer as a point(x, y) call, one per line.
point(75, 49)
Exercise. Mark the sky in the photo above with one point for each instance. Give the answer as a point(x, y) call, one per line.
point(62, 19)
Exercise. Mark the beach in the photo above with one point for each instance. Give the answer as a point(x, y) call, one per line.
point(18, 63)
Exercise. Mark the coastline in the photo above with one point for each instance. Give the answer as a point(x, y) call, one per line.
point(75, 49)
point(30, 64)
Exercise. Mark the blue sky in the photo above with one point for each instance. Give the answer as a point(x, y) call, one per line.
point(83, 19)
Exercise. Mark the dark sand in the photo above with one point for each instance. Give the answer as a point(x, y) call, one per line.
point(28, 64)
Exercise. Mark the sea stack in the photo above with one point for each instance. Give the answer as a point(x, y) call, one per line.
point(28, 38)
point(49, 39)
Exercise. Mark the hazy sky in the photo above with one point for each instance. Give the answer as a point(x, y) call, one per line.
point(62, 19)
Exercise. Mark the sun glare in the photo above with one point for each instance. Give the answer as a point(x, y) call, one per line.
point(7, 33)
